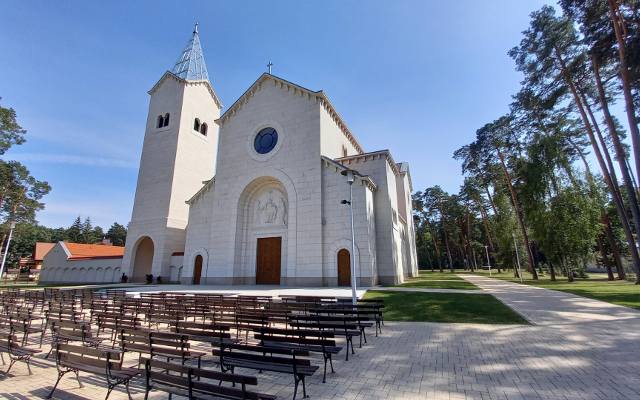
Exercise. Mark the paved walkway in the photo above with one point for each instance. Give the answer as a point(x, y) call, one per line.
point(551, 307)
point(578, 349)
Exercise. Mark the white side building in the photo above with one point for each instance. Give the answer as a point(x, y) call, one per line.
point(77, 262)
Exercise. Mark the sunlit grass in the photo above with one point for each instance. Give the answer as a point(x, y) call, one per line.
point(445, 307)
point(596, 286)
point(438, 280)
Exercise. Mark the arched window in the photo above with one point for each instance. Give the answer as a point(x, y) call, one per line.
point(160, 123)
point(203, 129)
point(196, 125)
point(166, 120)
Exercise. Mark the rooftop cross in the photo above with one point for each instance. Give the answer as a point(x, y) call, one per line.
point(191, 65)
point(269, 66)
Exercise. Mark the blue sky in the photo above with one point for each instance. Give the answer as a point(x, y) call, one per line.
point(416, 77)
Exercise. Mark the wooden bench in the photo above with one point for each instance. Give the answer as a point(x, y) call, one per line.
point(358, 317)
point(10, 344)
point(189, 382)
point(205, 332)
point(313, 341)
point(285, 361)
point(172, 346)
point(339, 326)
point(103, 362)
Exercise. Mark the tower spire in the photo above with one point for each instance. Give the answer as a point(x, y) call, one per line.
point(191, 65)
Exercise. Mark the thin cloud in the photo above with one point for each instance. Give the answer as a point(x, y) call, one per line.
point(76, 159)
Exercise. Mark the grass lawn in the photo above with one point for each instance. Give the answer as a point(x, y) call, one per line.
point(445, 307)
point(438, 280)
point(624, 293)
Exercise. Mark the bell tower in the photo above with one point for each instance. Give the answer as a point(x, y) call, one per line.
point(178, 153)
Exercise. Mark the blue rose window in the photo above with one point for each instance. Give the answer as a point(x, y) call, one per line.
point(265, 140)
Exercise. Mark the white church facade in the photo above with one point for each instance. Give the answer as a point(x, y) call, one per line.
point(254, 194)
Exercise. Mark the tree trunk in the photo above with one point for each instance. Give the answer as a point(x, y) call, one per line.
point(493, 205)
point(626, 88)
point(446, 243)
point(587, 168)
point(607, 177)
point(435, 244)
point(519, 216)
point(614, 248)
point(605, 258)
point(552, 272)
point(620, 153)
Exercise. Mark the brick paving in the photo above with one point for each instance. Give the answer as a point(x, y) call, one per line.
point(572, 358)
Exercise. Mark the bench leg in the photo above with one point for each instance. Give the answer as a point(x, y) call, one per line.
point(60, 375)
point(324, 375)
point(2, 358)
point(126, 385)
point(11, 362)
point(28, 361)
point(78, 379)
point(295, 386)
point(109, 389)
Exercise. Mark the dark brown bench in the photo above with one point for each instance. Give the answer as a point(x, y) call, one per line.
point(190, 382)
point(285, 361)
point(103, 362)
point(171, 346)
point(313, 341)
point(337, 325)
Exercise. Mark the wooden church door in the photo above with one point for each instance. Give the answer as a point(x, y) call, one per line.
point(197, 270)
point(268, 261)
point(344, 268)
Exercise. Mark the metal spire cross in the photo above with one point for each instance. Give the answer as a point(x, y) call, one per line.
point(269, 67)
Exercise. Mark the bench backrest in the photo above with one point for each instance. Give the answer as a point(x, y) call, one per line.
point(73, 355)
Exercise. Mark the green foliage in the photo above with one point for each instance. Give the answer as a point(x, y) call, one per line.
point(117, 234)
point(11, 133)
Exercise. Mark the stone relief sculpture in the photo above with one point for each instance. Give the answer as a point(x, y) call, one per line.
point(271, 209)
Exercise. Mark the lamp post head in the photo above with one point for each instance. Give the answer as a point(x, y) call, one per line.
point(349, 173)
point(13, 225)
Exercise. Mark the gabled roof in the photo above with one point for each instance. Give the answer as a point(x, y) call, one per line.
point(81, 251)
point(297, 89)
point(372, 156)
point(41, 250)
point(366, 179)
point(191, 66)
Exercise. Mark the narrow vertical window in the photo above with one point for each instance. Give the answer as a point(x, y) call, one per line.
point(196, 125)
point(166, 120)
point(160, 123)
point(203, 129)
point(344, 151)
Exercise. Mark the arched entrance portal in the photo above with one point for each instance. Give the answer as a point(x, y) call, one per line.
point(262, 232)
point(197, 270)
point(344, 268)
point(143, 260)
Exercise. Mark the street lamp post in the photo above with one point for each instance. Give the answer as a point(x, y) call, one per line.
point(486, 249)
point(6, 249)
point(350, 174)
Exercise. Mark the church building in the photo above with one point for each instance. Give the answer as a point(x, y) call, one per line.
point(257, 194)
